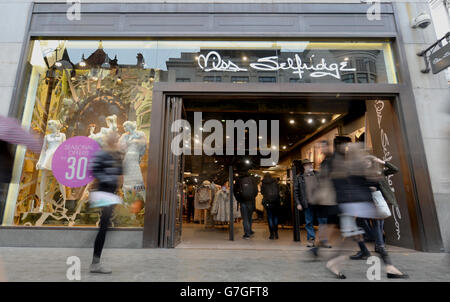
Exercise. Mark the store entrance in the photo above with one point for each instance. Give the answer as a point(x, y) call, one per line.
point(303, 122)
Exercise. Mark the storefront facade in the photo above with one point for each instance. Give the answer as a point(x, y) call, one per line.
point(127, 68)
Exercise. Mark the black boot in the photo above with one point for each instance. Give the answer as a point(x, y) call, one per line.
point(363, 254)
point(275, 231)
point(272, 235)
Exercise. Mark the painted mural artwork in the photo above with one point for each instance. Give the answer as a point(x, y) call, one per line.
point(387, 156)
point(214, 62)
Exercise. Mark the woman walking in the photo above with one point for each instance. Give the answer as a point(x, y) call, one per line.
point(380, 173)
point(271, 201)
point(107, 170)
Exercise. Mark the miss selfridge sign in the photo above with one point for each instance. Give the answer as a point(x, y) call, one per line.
point(214, 62)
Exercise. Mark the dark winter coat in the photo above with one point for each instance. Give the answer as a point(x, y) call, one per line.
point(266, 187)
point(237, 191)
point(107, 169)
point(300, 196)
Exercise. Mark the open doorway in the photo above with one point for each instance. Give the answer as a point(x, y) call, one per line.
point(303, 123)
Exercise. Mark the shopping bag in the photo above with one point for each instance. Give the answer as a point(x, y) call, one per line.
point(99, 199)
point(381, 205)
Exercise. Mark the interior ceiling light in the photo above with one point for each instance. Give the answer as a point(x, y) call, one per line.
point(324, 121)
point(310, 120)
point(260, 137)
point(284, 147)
point(291, 122)
point(274, 147)
point(244, 58)
point(247, 161)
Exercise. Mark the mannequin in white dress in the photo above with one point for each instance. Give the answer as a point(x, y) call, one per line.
point(133, 143)
point(111, 122)
point(51, 143)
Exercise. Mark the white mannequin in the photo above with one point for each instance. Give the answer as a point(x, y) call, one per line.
point(111, 122)
point(51, 143)
point(133, 143)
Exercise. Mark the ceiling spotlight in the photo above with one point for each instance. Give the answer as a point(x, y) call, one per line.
point(244, 58)
point(274, 147)
point(284, 147)
point(324, 121)
point(310, 120)
point(291, 122)
point(216, 161)
point(247, 161)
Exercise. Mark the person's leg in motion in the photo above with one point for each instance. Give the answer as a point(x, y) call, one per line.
point(271, 223)
point(245, 220)
point(363, 253)
point(323, 230)
point(275, 222)
point(96, 267)
point(310, 234)
point(251, 209)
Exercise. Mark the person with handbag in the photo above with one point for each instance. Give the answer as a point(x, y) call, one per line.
point(271, 202)
point(381, 194)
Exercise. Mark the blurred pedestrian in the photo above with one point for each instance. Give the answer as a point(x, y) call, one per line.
point(12, 133)
point(271, 202)
point(377, 225)
point(107, 170)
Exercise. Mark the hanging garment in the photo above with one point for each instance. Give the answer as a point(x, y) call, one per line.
point(258, 201)
point(204, 196)
point(221, 207)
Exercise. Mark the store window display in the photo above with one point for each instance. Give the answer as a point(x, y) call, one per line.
point(76, 89)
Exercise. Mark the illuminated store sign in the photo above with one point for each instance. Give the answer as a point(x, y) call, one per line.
point(214, 62)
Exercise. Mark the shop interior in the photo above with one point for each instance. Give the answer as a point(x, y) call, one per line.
point(303, 122)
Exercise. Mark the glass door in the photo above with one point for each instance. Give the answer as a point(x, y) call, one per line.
point(172, 186)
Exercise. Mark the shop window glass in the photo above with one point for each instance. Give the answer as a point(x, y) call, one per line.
point(267, 79)
point(89, 88)
point(212, 79)
point(239, 79)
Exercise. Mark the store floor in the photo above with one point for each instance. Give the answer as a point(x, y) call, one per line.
point(197, 236)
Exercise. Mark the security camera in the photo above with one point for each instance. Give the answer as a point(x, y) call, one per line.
point(422, 21)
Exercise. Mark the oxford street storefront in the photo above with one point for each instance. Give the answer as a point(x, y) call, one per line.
point(135, 69)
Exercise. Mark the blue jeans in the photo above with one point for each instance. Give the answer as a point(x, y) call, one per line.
point(374, 227)
point(272, 219)
point(309, 218)
point(247, 209)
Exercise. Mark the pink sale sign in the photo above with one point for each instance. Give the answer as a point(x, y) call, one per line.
point(70, 163)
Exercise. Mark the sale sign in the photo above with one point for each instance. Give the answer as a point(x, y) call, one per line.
point(70, 162)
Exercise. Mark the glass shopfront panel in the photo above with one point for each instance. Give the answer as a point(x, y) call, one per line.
point(91, 88)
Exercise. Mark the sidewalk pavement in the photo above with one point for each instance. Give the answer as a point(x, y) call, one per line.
point(222, 265)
